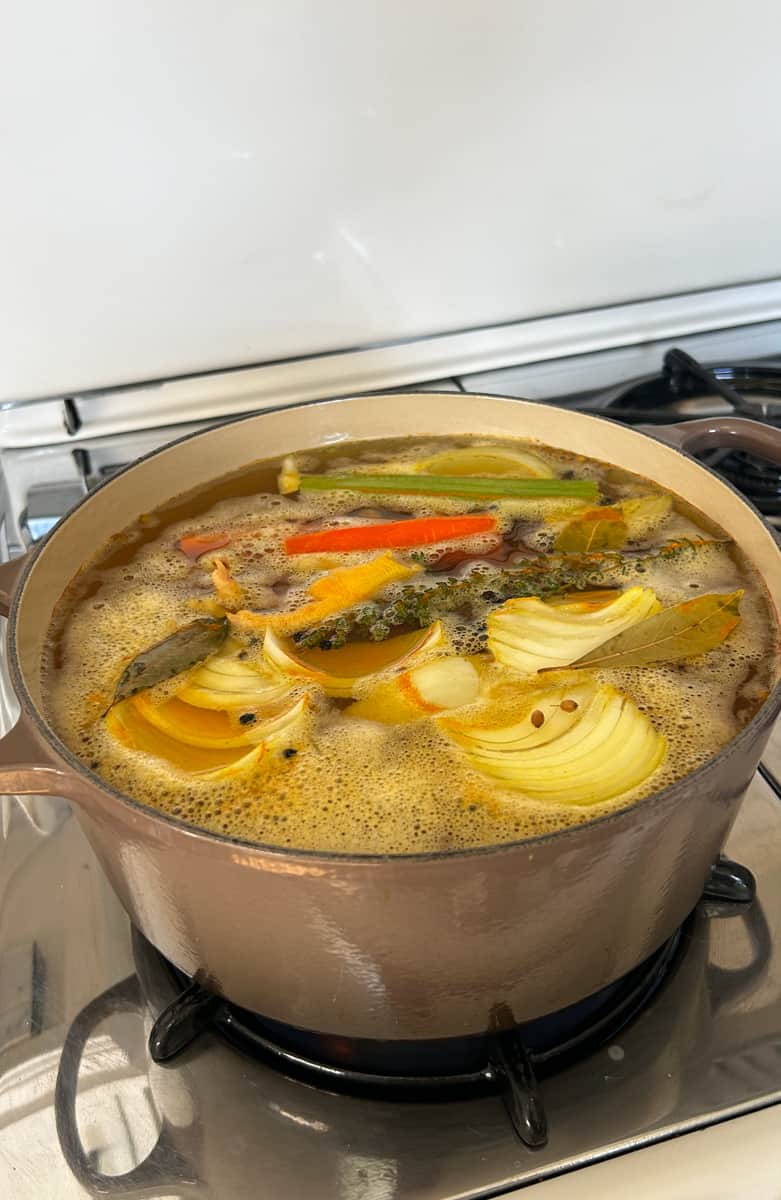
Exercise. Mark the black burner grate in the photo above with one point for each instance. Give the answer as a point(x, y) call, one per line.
point(509, 1059)
point(758, 479)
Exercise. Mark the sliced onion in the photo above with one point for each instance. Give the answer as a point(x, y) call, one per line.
point(338, 672)
point(210, 728)
point(289, 478)
point(489, 461)
point(274, 729)
point(129, 723)
point(595, 748)
point(442, 684)
point(445, 683)
point(226, 681)
point(529, 634)
point(239, 766)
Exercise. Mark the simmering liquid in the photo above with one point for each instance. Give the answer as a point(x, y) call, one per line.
point(319, 706)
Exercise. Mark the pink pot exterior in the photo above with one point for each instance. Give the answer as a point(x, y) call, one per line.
point(404, 947)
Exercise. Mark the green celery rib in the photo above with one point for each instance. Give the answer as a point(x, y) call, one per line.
point(452, 485)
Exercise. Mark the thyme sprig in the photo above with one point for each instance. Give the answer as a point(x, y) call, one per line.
point(545, 576)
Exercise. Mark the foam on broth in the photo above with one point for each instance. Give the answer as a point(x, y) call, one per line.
point(357, 786)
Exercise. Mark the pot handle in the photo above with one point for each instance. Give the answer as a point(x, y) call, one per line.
point(164, 1165)
point(729, 984)
point(708, 433)
point(25, 769)
point(9, 577)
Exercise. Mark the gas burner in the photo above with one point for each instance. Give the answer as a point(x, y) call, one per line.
point(685, 388)
point(509, 1059)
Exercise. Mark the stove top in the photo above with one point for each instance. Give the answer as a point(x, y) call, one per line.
point(219, 1124)
point(39, 483)
point(684, 389)
point(509, 1060)
point(85, 1110)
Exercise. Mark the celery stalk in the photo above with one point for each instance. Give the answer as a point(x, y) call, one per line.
point(452, 485)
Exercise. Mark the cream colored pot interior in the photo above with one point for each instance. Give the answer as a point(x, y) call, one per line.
point(229, 447)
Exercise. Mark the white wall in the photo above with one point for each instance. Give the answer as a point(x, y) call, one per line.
point(188, 184)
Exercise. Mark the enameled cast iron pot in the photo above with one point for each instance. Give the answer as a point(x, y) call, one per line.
point(416, 946)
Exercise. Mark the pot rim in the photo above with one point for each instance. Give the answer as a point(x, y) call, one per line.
point(674, 792)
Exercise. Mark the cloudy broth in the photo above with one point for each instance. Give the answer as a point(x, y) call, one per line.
point(297, 657)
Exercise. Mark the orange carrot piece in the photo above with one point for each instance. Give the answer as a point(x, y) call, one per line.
point(416, 532)
point(196, 544)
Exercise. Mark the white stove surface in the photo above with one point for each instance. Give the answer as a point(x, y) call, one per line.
point(736, 1158)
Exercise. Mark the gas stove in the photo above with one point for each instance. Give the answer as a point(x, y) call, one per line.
point(85, 1110)
point(118, 1076)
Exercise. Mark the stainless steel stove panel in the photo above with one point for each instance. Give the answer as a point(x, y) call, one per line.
point(707, 1048)
point(40, 482)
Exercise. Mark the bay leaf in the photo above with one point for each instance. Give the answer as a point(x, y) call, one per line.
point(596, 529)
point(183, 649)
point(692, 627)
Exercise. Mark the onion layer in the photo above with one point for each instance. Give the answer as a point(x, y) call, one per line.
point(445, 683)
point(191, 741)
point(339, 672)
point(226, 681)
point(579, 745)
point(529, 634)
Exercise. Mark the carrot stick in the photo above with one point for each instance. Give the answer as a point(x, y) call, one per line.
point(196, 544)
point(389, 534)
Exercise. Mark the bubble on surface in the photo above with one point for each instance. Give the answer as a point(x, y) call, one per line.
point(357, 786)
